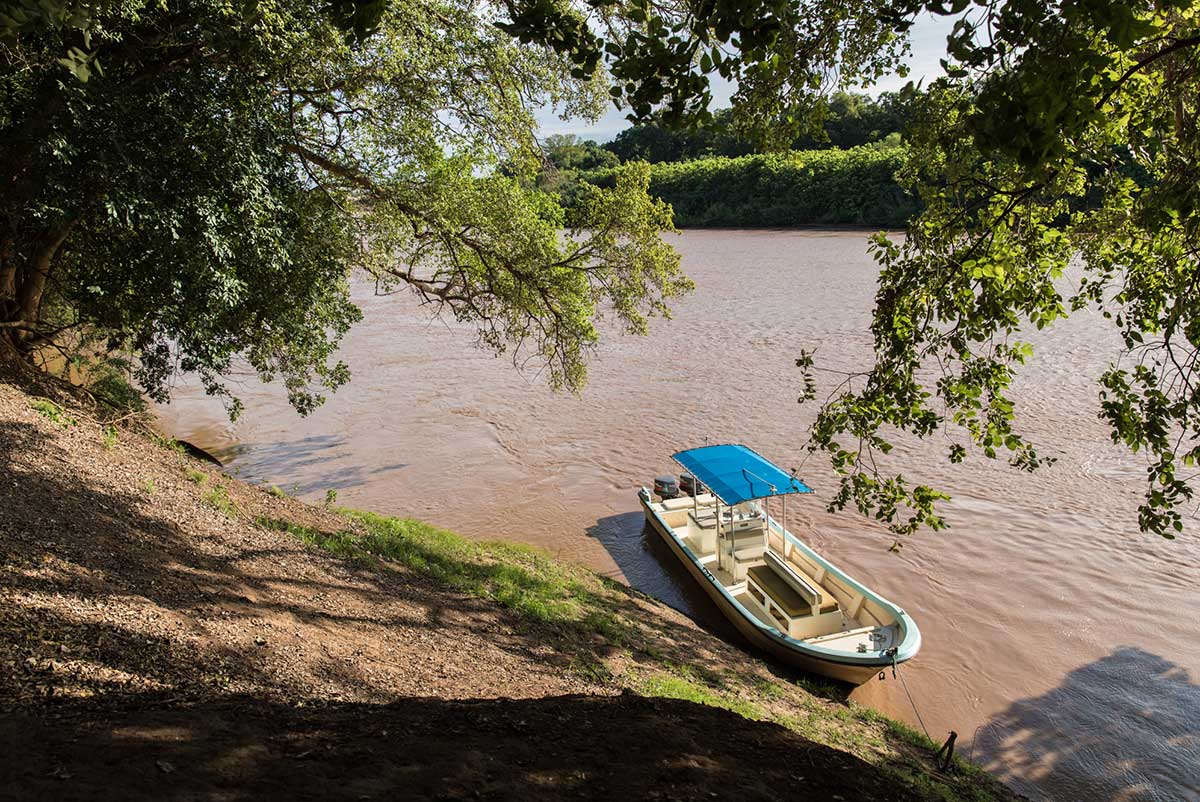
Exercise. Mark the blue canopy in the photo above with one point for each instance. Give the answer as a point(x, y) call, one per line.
point(735, 473)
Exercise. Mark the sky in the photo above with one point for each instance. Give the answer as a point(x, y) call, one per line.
point(928, 47)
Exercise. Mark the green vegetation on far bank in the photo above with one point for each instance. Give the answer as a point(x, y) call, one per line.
point(841, 171)
point(843, 187)
point(615, 636)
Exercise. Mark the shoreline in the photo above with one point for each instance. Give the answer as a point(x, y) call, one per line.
point(160, 589)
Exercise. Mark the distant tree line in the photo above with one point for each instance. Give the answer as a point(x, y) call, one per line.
point(833, 186)
point(847, 120)
point(840, 171)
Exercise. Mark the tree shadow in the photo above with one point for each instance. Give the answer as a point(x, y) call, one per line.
point(92, 562)
point(109, 572)
point(52, 655)
point(1125, 727)
point(565, 747)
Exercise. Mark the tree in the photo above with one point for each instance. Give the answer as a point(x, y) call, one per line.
point(1062, 131)
point(850, 119)
point(569, 152)
point(784, 56)
point(655, 141)
point(206, 191)
point(842, 120)
point(566, 156)
point(203, 190)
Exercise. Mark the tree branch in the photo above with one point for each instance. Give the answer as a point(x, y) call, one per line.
point(1178, 44)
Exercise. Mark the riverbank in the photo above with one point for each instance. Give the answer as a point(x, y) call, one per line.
point(173, 632)
point(801, 188)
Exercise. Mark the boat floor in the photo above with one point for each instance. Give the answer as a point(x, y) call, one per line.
point(849, 639)
point(853, 637)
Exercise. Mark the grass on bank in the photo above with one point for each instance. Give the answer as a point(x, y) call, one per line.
point(541, 591)
point(582, 614)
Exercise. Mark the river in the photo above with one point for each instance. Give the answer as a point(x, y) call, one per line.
point(1059, 642)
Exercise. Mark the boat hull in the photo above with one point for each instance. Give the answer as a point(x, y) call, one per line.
point(785, 650)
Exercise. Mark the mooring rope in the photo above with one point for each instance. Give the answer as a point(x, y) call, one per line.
point(904, 685)
point(896, 674)
point(991, 725)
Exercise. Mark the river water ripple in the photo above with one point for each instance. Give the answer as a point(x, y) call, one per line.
point(1059, 642)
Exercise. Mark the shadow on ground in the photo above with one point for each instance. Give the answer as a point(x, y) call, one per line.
point(565, 747)
point(652, 568)
point(112, 587)
point(134, 615)
point(111, 550)
point(1124, 727)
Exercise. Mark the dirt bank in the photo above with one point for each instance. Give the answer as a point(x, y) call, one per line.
point(576, 747)
point(170, 632)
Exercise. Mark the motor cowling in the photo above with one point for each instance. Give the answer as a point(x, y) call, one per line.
point(689, 485)
point(666, 487)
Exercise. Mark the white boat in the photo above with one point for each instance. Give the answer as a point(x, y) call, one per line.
point(781, 595)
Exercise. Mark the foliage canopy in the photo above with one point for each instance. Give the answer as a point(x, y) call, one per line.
point(203, 188)
point(207, 190)
point(1063, 133)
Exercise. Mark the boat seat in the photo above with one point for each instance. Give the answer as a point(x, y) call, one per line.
point(748, 550)
point(687, 502)
point(820, 599)
point(782, 594)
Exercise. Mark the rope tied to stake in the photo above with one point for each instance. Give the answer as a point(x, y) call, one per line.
point(948, 746)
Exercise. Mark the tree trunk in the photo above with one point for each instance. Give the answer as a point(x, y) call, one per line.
point(8, 277)
point(32, 289)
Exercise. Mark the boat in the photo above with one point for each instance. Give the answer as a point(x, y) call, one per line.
point(783, 596)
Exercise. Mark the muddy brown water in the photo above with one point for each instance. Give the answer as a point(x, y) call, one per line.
point(1060, 643)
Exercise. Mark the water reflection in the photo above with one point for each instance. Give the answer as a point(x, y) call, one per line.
point(649, 565)
point(322, 462)
point(1125, 727)
point(644, 561)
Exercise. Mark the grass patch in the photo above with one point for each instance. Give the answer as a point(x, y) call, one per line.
point(770, 690)
point(219, 499)
point(109, 438)
point(563, 599)
point(194, 476)
point(52, 412)
point(683, 686)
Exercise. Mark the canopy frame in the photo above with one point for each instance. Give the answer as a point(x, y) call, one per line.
point(736, 474)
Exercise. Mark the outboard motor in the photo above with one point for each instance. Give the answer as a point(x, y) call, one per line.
point(689, 485)
point(666, 487)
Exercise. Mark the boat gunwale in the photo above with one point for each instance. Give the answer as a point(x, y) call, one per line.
point(908, 647)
